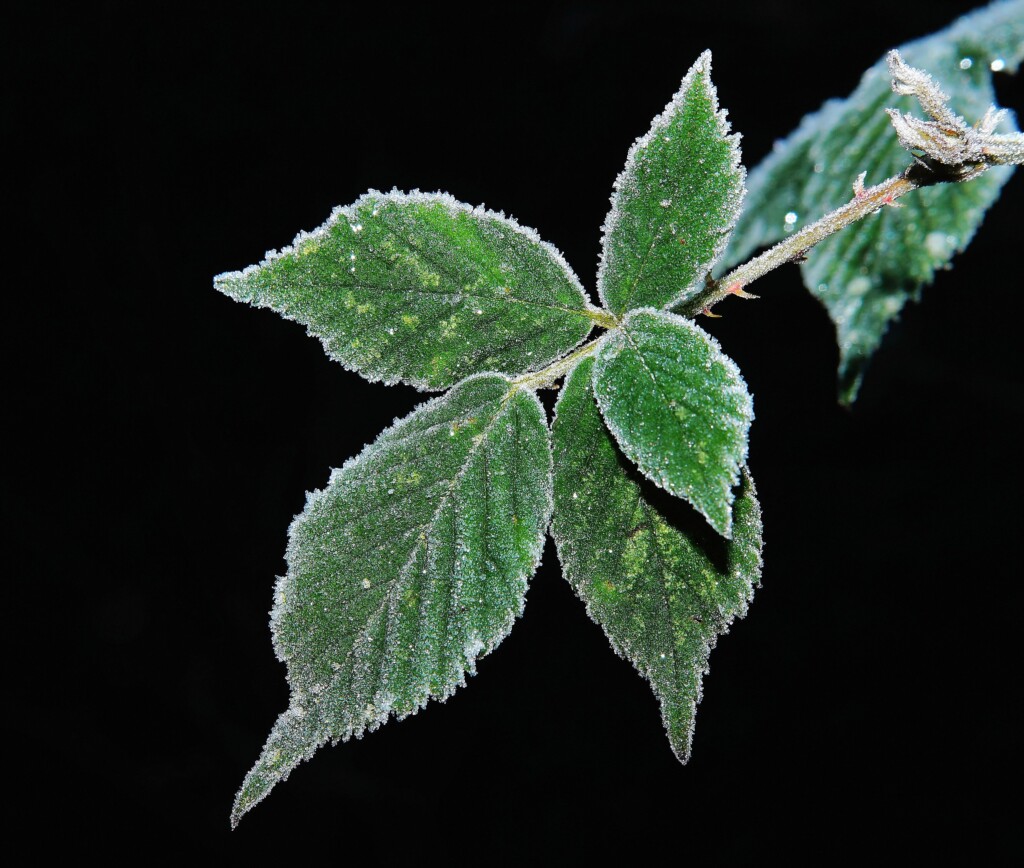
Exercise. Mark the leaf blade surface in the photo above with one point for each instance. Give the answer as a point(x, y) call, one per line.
point(678, 407)
point(675, 202)
point(865, 274)
point(423, 289)
point(656, 579)
point(408, 567)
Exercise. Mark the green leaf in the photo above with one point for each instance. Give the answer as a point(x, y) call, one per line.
point(410, 565)
point(675, 203)
point(866, 273)
point(423, 289)
point(660, 583)
point(678, 407)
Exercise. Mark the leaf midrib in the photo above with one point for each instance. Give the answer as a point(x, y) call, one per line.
point(388, 597)
point(367, 287)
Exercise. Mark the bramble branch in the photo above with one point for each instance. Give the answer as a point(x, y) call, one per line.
point(945, 149)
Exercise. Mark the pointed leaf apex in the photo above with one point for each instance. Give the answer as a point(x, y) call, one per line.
point(682, 182)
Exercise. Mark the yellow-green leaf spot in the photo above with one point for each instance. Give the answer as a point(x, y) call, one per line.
point(435, 290)
point(660, 583)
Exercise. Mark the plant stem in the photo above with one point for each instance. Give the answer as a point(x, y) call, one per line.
point(546, 377)
point(603, 318)
point(865, 201)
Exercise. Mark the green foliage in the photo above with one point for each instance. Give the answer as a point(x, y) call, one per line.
point(413, 562)
point(407, 568)
point(654, 576)
point(678, 407)
point(675, 202)
point(423, 289)
point(866, 274)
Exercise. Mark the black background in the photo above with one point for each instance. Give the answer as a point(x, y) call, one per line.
point(165, 436)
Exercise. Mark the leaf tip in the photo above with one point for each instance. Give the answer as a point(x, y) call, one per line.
point(682, 744)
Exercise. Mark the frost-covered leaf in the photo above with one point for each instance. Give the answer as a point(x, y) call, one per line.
point(866, 273)
point(409, 566)
point(678, 407)
point(423, 289)
point(674, 203)
point(658, 580)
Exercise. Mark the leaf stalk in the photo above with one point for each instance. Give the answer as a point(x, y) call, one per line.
point(546, 377)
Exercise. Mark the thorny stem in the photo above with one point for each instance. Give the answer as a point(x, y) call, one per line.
point(865, 201)
point(952, 152)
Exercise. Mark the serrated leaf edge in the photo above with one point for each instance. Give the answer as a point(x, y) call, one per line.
point(471, 653)
point(702, 67)
point(710, 644)
point(587, 309)
point(731, 366)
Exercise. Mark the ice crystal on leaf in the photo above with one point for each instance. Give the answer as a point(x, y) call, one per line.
point(414, 560)
point(675, 202)
point(409, 566)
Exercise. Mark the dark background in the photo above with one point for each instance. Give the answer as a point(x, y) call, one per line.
point(164, 436)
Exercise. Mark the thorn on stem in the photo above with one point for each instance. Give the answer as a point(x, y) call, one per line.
point(858, 186)
point(737, 289)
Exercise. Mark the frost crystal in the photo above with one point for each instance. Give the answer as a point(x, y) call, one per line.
point(390, 599)
point(947, 139)
point(423, 289)
point(675, 202)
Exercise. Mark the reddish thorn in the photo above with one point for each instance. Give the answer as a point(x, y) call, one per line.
point(858, 186)
point(737, 289)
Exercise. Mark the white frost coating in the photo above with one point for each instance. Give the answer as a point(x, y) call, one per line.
point(702, 67)
point(221, 281)
point(413, 197)
point(577, 573)
point(947, 138)
point(651, 464)
point(356, 695)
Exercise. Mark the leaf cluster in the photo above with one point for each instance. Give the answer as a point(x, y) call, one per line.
point(413, 562)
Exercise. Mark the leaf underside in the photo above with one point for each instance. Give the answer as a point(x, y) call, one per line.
point(674, 203)
point(408, 567)
point(423, 289)
point(678, 407)
point(865, 274)
point(658, 580)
